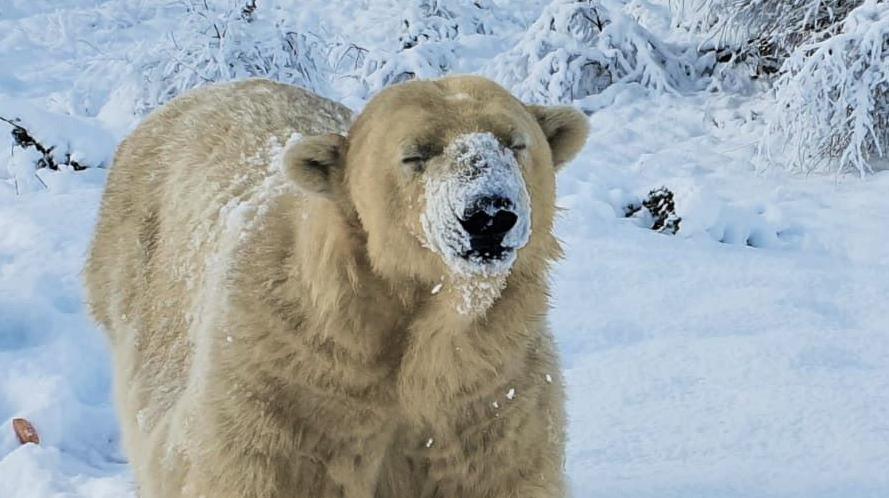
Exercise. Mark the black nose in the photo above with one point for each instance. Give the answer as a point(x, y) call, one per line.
point(487, 222)
point(484, 225)
point(489, 218)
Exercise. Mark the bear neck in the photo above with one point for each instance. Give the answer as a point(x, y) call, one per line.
point(429, 349)
point(331, 278)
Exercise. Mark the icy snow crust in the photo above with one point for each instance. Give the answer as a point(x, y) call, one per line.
point(478, 166)
point(745, 357)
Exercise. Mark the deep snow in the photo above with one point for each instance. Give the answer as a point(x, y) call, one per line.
point(747, 356)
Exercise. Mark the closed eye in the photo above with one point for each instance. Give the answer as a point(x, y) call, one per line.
point(518, 146)
point(415, 163)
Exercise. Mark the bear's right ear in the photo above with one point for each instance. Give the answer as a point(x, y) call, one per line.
point(316, 163)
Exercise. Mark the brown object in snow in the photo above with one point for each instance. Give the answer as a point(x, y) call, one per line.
point(25, 431)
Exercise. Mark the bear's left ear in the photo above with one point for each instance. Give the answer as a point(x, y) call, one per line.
point(316, 163)
point(565, 129)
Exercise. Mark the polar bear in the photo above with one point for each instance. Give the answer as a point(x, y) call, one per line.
point(303, 306)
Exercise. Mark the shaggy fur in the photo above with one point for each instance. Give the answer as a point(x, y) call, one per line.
point(279, 328)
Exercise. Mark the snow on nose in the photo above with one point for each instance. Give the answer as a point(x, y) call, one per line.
point(478, 211)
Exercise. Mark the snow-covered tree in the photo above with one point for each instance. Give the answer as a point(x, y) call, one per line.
point(832, 98)
point(761, 33)
point(579, 48)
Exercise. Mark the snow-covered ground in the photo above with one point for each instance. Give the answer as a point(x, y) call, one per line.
point(746, 356)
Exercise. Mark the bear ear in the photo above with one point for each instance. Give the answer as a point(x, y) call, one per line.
point(565, 129)
point(316, 163)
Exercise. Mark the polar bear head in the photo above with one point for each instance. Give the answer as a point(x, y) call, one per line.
point(448, 177)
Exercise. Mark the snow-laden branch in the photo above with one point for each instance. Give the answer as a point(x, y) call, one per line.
point(761, 33)
point(832, 98)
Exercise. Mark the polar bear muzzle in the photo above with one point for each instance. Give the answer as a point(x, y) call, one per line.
point(478, 212)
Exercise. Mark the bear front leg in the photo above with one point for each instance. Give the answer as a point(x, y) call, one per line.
point(311, 448)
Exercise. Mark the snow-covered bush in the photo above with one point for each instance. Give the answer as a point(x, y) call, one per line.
point(23, 138)
point(40, 139)
point(33, 148)
point(579, 48)
point(832, 97)
point(227, 40)
point(573, 49)
point(760, 33)
point(427, 42)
